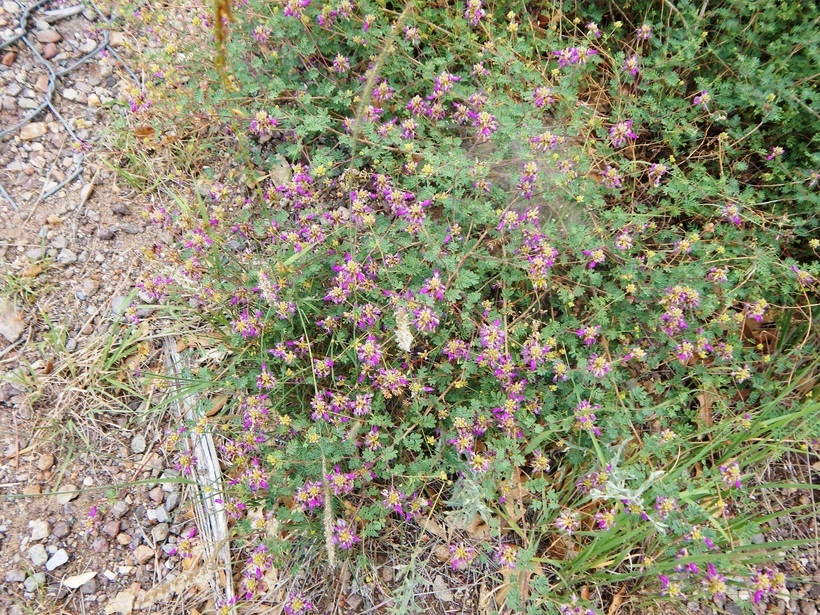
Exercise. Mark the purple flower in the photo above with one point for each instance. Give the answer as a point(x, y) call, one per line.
point(393, 499)
point(309, 496)
point(610, 177)
point(621, 132)
point(731, 213)
point(456, 350)
point(804, 278)
point(703, 99)
point(776, 152)
point(598, 366)
point(573, 55)
point(632, 65)
point(473, 13)
point(714, 583)
point(294, 8)
point(296, 604)
point(462, 555)
point(593, 30)
point(568, 522)
point(248, 325)
point(656, 172)
point(425, 319)
point(730, 473)
point(370, 352)
point(596, 257)
point(644, 33)
point(588, 334)
point(434, 287)
point(542, 97)
point(340, 482)
point(344, 536)
point(756, 310)
point(585, 417)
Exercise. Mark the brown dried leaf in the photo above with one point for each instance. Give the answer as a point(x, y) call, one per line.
point(144, 132)
point(32, 272)
point(705, 402)
point(217, 405)
point(617, 600)
point(434, 527)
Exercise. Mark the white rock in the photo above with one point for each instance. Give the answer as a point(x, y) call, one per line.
point(11, 323)
point(138, 444)
point(57, 560)
point(69, 94)
point(27, 103)
point(67, 493)
point(78, 580)
point(122, 604)
point(94, 100)
point(39, 529)
point(110, 575)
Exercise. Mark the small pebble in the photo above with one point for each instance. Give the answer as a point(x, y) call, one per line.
point(57, 560)
point(45, 462)
point(61, 529)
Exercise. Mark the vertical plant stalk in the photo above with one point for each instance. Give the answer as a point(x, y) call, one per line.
point(211, 519)
point(367, 94)
point(222, 17)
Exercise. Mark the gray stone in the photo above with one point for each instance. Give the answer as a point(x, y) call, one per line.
point(57, 560)
point(61, 529)
point(143, 553)
point(138, 444)
point(33, 582)
point(172, 501)
point(35, 254)
point(69, 94)
point(15, 576)
point(161, 514)
point(90, 287)
point(59, 242)
point(27, 103)
point(100, 545)
point(160, 532)
point(131, 229)
point(107, 233)
point(66, 257)
point(37, 555)
point(32, 130)
point(14, 88)
point(118, 510)
point(90, 587)
point(39, 529)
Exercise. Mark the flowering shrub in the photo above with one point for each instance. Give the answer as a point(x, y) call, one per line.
point(511, 269)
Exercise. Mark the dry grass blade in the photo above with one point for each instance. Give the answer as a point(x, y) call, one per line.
point(211, 518)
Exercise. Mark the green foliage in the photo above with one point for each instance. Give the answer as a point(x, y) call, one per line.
point(511, 271)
